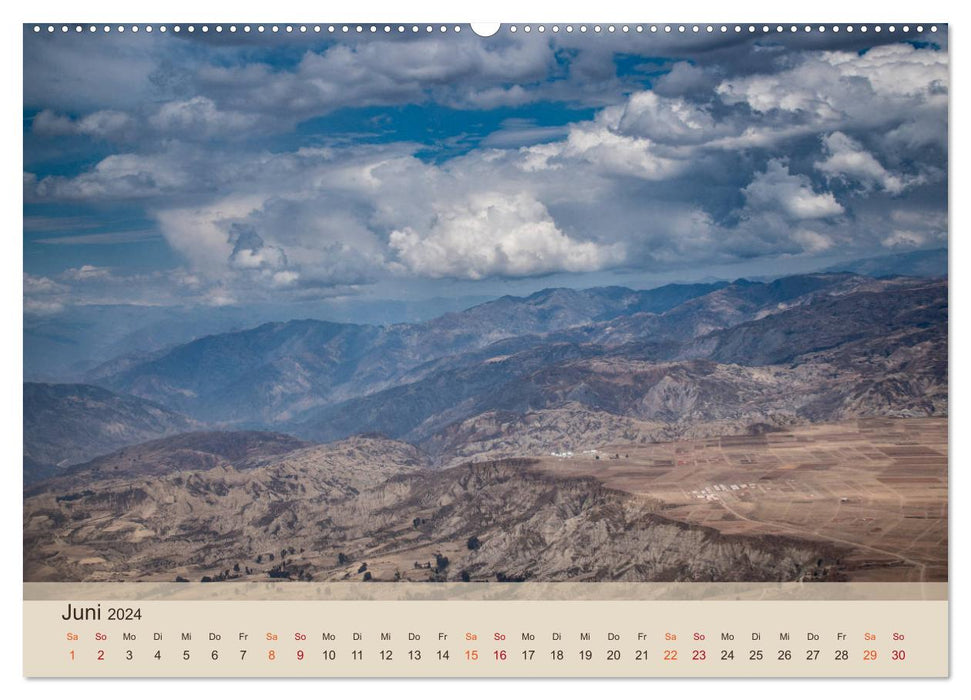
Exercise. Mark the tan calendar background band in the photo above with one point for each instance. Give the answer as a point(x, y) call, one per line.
point(375, 629)
point(493, 638)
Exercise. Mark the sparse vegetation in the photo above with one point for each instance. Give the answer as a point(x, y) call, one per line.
point(278, 571)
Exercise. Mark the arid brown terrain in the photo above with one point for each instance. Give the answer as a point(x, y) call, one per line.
point(864, 500)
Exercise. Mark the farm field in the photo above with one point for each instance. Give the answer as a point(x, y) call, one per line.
point(877, 486)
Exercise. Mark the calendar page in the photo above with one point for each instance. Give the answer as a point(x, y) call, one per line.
point(449, 350)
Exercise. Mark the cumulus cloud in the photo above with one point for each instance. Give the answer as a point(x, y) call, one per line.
point(42, 295)
point(199, 117)
point(193, 119)
point(847, 159)
point(301, 224)
point(776, 189)
point(118, 177)
point(40, 307)
point(40, 285)
point(103, 124)
point(497, 235)
point(615, 153)
point(812, 241)
point(460, 71)
point(251, 253)
point(674, 121)
point(604, 144)
point(201, 234)
point(893, 84)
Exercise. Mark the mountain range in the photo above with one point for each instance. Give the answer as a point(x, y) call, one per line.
point(276, 372)
point(790, 364)
point(677, 360)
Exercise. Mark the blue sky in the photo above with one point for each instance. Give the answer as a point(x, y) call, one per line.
point(302, 171)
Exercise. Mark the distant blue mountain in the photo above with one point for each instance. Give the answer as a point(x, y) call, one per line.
point(273, 373)
point(918, 263)
point(286, 374)
point(66, 424)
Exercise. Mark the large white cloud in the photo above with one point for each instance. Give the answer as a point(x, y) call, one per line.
point(493, 234)
point(605, 145)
